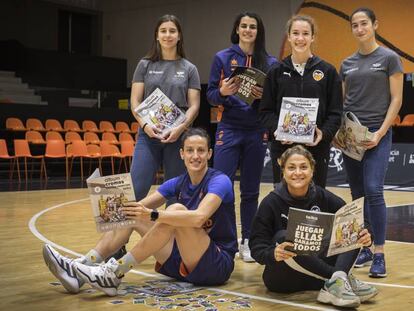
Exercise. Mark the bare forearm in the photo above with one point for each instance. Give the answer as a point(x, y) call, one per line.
point(182, 218)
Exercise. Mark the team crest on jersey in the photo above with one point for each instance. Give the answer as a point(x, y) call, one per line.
point(233, 62)
point(318, 75)
point(315, 208)
point(219, 141)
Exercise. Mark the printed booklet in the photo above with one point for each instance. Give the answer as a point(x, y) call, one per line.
point(297, 119)
point(315, 233)
point(249, 77)
point(107, 194)
point(157, 109)
point(350, 135)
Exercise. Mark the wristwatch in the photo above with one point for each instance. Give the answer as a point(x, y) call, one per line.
point(154, 215)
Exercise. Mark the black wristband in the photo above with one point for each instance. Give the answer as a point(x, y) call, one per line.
point(143, 127)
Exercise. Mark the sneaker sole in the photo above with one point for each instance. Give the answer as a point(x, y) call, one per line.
point(327, 298)
point(377, 275)
point(51, 264)
point(368, 297)
point(368, 263)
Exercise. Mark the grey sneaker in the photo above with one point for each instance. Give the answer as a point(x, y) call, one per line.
point(101, 277)
point(63, 269)
point(338, 292)
point(244, 252)
point(363, 290)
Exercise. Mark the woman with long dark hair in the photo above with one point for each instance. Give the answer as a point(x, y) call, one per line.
point(241, 141)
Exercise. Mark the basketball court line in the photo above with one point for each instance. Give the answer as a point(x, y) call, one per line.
point(33, 229)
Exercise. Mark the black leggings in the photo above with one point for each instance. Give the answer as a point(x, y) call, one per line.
point(288, 277)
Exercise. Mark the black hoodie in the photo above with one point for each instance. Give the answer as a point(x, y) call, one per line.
point(272, 216)
point(283, 80)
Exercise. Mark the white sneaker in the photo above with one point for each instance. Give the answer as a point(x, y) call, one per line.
point(363, 290)
point(338, 292)
point(101, 277)
point(63, 269)
point(244, 252)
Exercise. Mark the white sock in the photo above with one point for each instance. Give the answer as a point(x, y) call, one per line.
point(338, 274)
point(91, 258)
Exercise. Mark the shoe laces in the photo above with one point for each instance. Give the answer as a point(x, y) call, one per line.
point(108, 268)
point(378, 260)
point(354, 281)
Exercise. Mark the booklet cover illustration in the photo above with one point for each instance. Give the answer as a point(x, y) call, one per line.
point(315, 233)
point(297, 119)
point(249, 77)
point(107, 194)
point(350, 135)
point(157, 109)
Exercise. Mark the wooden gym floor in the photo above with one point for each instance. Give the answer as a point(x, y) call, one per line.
point(63, 217)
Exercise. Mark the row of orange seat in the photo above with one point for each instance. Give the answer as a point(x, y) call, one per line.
point(16, 124)
point(36, 137)
point(408, 120)
point(77, 149)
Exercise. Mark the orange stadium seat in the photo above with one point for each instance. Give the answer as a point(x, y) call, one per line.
point(121, 126)
point(110, 137)
point(34, 124)
point(78, 149)
point(72, 136)
point(15, 124)
point(90, 126)
point(52, 135)
point(4, 155)
point(71, 125)
point(53, 125)
point(109, 150)
point(34, 137)
point(22, 150)
point(91, 138)
point(408, 120)
point(106, 126)
point(55, 149)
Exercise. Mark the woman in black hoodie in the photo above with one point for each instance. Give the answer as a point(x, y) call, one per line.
point(303, 75)
point(284, 270)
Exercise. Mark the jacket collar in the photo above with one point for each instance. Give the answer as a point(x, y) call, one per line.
point(313, 61)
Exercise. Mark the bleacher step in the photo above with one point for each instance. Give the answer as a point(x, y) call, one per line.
point(21, 99)
point(13, 86)
point(10, 80)
point(7, 73)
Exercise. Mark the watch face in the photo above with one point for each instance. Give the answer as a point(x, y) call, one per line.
point(154, 215)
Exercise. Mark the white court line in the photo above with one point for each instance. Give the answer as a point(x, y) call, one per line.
point(33, 229)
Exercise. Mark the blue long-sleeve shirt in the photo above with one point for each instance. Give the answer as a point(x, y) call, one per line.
point(237, 114)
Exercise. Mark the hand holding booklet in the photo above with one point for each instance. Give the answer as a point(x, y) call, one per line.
point(159, 111)
point(315, 233)
point(297, 120)
point(108, 194)
point(350, 136)
point(248, 77)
